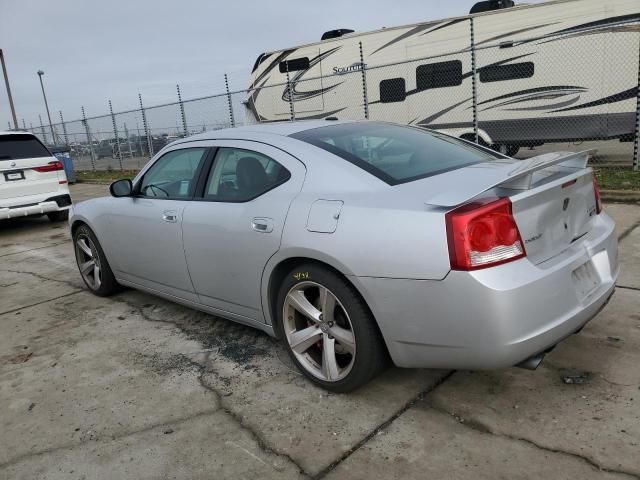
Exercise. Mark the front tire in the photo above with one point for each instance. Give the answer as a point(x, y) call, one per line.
point(328, 330)
point(92, 263)
point(59, 216)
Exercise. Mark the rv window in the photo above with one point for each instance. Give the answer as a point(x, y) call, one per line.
point(294, 64)
point(438, 75)
point(392, 90)
point(498, 73)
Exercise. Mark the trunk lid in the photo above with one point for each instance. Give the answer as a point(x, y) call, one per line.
point(552, 196)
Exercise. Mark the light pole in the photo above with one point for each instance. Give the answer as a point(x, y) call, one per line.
point(6, 82)
point(53, 135)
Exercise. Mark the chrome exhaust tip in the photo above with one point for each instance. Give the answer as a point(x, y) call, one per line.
point(531, 363)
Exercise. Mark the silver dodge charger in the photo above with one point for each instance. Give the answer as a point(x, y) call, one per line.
point(356, 242)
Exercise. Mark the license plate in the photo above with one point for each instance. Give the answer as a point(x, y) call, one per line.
point(586, 279)
point(13, 176)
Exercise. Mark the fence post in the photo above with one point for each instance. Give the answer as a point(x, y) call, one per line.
point(226, 84)
point(64, 129)
point(474, 80)
point(363, 69)
point(290, 94)
point(115, 134)
point(24, 124)
point(126, 134)
point(88, 132)
point(636, 140)
point(146, 128)
point(184, 118)
point(44, 134)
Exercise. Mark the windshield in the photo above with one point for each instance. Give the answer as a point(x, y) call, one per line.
point(16, 147)
point(394, 153)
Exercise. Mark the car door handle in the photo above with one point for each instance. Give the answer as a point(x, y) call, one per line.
point(170, 216)
point(262, 225)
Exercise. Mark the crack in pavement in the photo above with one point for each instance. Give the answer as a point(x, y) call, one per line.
point(108, 438)
point(34, 248)
point(43, 301)
point(478, 426)
point(628, 288)
point(384, 425)
point(41, 277)
point(628, 231)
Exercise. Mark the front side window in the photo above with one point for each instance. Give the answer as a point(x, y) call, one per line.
point(19, 146)
point(174, 174)
point(240, 175)
point(294, 64)
point(394, 153)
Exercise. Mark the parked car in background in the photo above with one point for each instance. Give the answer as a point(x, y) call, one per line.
point(32, 180)
point(355, 241)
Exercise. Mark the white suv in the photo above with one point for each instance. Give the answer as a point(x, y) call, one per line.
point(32, 180)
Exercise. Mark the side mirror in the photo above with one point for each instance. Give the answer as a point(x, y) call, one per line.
point(121, 188)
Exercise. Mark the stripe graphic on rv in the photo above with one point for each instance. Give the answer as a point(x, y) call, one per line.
point(617, 97)
point(276, 61)
point(305, 95)
point(632, 17)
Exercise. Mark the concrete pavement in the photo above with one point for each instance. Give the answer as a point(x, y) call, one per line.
point(135, 387)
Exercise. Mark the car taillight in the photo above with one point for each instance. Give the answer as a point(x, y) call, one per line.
point(483, 234)
point(49, 167)
point(596, 192)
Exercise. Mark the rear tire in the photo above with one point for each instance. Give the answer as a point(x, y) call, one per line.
point(92, 263)
point(59, 216)
point(328, 329)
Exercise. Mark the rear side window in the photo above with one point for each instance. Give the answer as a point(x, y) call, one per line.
point(16, 147)
point(498, 73)
point(294, 64)
point(240, 175)
point(439, 75)
point(394, 153)
point(393, 90)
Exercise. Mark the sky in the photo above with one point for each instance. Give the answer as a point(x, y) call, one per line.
point(95, 51)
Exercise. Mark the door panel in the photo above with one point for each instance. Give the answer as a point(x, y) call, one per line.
point(228, 243)
point(146, 229)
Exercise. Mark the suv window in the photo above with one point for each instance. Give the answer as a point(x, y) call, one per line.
point(19, 146)
point(173, 175)
point(240, 175)
point(394, 153)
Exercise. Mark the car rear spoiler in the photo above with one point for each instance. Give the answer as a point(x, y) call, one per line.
point(503, 173)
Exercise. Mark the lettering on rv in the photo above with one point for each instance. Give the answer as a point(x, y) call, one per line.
point(354, 67)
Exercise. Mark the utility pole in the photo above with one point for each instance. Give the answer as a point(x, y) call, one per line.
point(6, 82)
point(53, 135)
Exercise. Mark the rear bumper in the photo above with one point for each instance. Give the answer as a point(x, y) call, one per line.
point(53, 204)
point(499, 316)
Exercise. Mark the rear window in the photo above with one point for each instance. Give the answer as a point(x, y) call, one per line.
point(394, 153)
point(16, 147)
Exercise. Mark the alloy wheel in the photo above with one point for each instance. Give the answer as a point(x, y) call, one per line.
point(319, 331)
point(88, 261)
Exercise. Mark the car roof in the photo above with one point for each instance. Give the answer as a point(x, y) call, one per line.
point(283, 129)
point(15, 132)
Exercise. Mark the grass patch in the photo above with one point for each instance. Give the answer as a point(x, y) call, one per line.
point(104, 176)
point(618, 178)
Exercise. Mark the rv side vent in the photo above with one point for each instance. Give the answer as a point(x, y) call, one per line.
point(336, 33)
point(491, 5)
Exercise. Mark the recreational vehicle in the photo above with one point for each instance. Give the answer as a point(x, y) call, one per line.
point(556, 71)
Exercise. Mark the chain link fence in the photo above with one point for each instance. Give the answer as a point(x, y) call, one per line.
point(585, 96)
